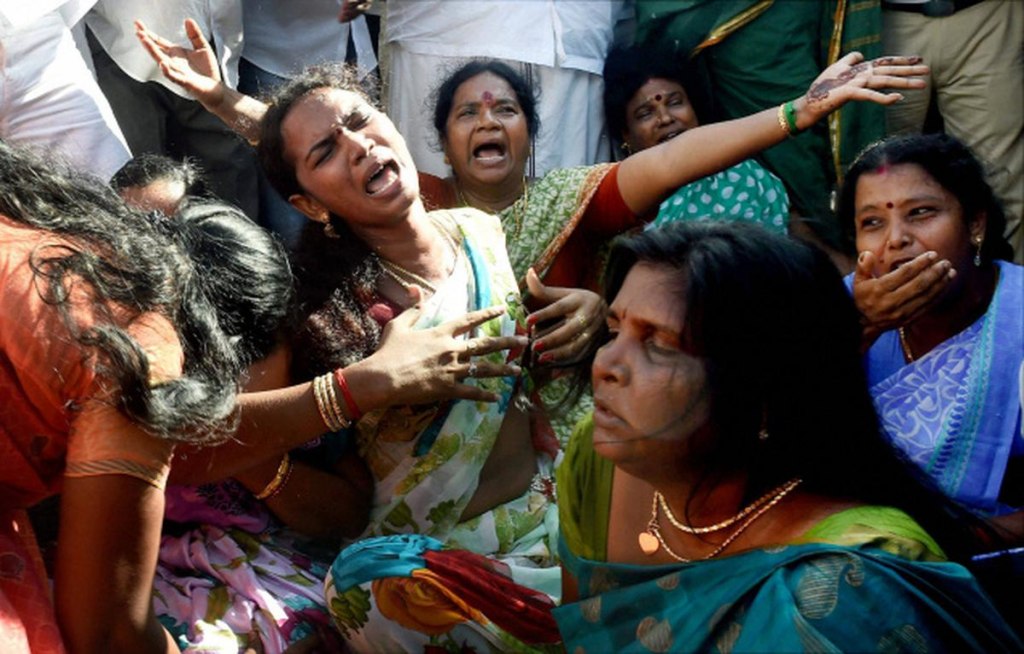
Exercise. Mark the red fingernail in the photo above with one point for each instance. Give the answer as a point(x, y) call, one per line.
point(538, 346)
point(531, 319)
point(546, 358)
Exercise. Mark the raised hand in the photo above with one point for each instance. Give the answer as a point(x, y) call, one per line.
point(428, 365)
point(194, 69)
point(577, 314)
point(898, 298)
point(852, 78)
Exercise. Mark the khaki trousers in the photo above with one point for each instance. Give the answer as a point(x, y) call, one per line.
point(977, 79)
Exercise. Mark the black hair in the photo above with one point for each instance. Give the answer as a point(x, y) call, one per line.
point(626, 70)
point(336, 277)
point(146, 169)
point(246, 274)
point(779, 335)
point(444, 95)
point(950, 163)
point(128, 263)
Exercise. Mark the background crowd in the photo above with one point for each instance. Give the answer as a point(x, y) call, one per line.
point(557, 325)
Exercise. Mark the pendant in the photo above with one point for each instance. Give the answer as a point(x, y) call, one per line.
point(648, 543)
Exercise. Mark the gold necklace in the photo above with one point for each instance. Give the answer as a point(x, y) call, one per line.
point(651, 539)
point(397, 272)
point(721, 525)
point(908, 354)
point(518, 207)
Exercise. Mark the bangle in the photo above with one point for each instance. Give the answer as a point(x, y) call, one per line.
point(333, 408)
point(327, 403)
point(350, 402)
point(782, 120)
point(789, 109)
point(276, 485)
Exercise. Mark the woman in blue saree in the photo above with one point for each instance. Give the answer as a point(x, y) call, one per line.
point(732, 491)
point(943, 315)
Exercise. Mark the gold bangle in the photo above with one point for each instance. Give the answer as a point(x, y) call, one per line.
point(276, 485)
point(321, 403)
point(333, 407)
point(782, 120)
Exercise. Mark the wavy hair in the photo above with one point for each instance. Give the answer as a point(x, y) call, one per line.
point(336, 277)
point(127, 263)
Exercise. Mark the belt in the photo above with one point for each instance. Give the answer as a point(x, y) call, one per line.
point(932, 8)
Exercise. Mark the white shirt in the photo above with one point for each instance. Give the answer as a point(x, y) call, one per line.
point(284, 36)
point(18, 14)
point(113, 23)
point(558, 33)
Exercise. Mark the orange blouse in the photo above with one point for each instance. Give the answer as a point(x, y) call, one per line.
point(57, 418)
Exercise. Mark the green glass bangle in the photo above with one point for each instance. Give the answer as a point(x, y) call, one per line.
point(789, 109)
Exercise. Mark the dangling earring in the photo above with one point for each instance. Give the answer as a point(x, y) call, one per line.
point(625, 146)
point(977, 255)
point(329, 230)
point(763, 434)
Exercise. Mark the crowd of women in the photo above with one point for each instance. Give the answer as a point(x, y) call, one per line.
point(461, 415)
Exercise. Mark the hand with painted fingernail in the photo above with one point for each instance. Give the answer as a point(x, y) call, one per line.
point(573, 315)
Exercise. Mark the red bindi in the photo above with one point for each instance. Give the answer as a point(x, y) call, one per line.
point(888, 205)
point(488, 98)
point(657, 97)
point(883, 169)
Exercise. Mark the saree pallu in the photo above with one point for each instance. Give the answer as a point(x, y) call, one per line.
point(538, 225)
point(426, 462)
point(795, 598)
point(755, 54)
point(956, 411)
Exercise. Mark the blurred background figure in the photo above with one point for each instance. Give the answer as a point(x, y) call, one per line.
point(976, 53)
point(48, 96)
point(155, 115)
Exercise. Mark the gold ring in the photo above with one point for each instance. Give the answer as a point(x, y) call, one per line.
point(470, 347)
point(581, 319)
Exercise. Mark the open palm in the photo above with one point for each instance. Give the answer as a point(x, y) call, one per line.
point(195, 69)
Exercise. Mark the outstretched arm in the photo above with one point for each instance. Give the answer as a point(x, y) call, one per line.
point(647, 177)
point(196, 71)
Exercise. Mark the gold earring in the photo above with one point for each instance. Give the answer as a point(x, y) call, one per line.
point(628, 150)
point(977, 255)
point(447, 161)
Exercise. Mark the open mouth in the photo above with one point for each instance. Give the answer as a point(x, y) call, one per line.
point(900, 262)
point(670, 135)
point(488, 152)
point(385, 175)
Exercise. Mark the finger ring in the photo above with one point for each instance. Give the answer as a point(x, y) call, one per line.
point(584, 335)
point(582, 319)
point(472, 369)
point(470, 347)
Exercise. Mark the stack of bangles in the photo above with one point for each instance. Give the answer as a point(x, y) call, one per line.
point(327, 401)
point(787, 118)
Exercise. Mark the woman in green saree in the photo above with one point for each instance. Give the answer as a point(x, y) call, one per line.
point(732, 489)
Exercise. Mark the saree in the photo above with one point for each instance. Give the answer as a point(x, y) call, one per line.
point(539, 224)
point(956, 412)
point(754, 54)
point(864, 579)
point(426, 462)
point(746, 192)
point(231, 577)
